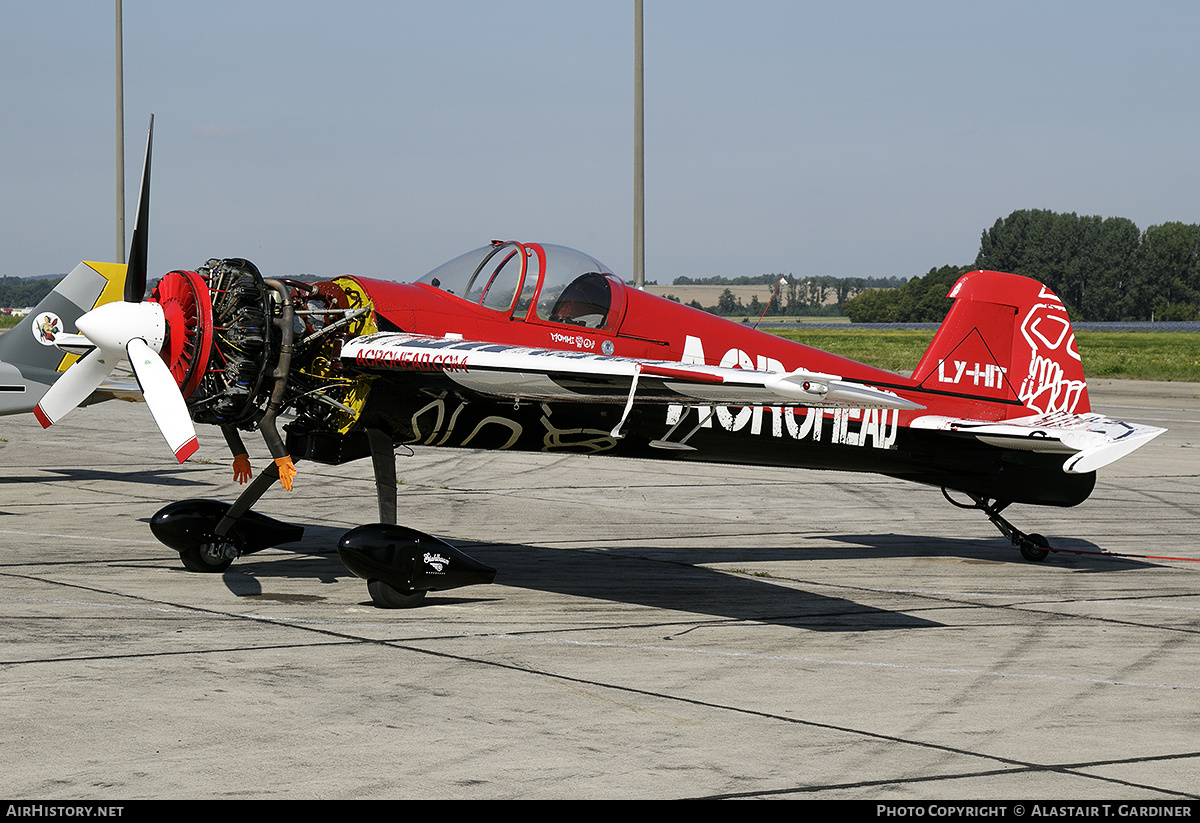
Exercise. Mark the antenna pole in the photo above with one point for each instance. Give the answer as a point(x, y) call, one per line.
point(639, 156)
point(120, 144)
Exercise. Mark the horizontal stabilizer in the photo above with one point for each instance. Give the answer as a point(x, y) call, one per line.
point(75, 344)
point(1090, 441)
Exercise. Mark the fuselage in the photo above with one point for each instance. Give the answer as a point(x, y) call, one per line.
point(420, 404)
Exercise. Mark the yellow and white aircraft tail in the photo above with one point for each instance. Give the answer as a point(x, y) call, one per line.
point(29, 360)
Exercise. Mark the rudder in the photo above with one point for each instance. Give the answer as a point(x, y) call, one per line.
point(1007, 342)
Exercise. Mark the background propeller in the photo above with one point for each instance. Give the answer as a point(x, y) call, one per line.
point(133, 329)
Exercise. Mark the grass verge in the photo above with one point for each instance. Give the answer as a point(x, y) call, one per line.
point(1128, 355)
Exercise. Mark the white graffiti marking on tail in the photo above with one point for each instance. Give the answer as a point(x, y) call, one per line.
point(1047, 330)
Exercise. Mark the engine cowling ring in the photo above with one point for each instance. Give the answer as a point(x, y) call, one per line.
point(187, 308)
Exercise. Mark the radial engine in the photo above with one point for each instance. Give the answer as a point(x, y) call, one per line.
point(245, 349)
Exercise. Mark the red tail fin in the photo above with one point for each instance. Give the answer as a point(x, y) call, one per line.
point(1007, 339)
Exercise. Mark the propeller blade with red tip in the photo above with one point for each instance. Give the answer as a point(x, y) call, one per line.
point(162, 396)
point(73, 387)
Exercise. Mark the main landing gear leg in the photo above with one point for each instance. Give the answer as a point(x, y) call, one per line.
point(383, 460)
point(401, 564)
point(209, 534)
point(249, 496)
point(1034, 547)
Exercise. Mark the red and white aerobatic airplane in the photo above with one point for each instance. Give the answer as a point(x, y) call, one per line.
point(529, 346)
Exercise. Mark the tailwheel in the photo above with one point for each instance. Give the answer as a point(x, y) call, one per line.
point(1034, 547)
point(386, 596)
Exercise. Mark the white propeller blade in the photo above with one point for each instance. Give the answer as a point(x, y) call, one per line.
point(136, 330)
point(163, 397)
point(74, 386)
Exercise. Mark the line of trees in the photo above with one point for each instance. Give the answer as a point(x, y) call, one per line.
point(817, 296)
point(1101, 268)
point(24, 292)
point(920, 300)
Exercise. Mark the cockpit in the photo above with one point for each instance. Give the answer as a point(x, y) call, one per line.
point(534, 282)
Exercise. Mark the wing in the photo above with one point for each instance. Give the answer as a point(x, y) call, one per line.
point(524, 373)
point(1089, 441)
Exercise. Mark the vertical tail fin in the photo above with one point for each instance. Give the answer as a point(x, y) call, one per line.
point(1007, 341)
point(29, 362)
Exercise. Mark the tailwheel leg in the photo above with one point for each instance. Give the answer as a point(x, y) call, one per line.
point(1034, 547)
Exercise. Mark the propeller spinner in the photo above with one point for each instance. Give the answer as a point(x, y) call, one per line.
point(133, 329)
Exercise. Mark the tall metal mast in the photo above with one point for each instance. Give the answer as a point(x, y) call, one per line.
point(120, 144)
point(639, 156)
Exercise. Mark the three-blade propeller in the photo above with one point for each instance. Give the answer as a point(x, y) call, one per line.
point(132, 329)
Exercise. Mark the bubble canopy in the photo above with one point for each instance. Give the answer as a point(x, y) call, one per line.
point(559, 284)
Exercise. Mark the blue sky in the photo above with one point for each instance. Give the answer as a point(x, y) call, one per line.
point(382, 138)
